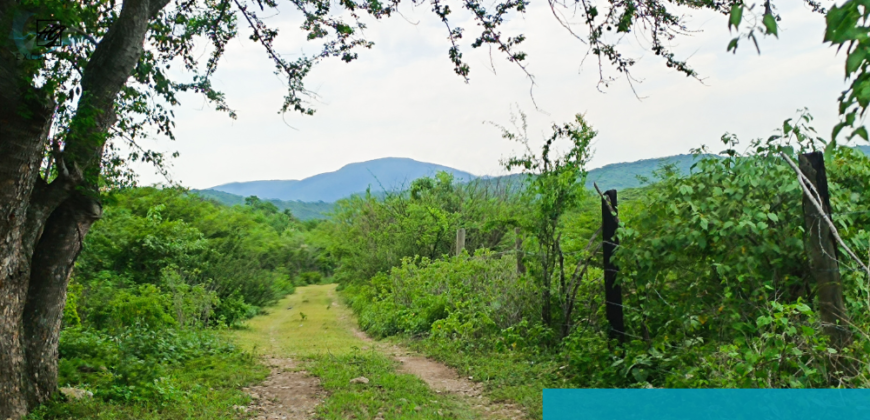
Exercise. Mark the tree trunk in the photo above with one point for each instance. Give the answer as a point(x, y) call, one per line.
point(25, 117)
point(546, 312)
point(53, 260)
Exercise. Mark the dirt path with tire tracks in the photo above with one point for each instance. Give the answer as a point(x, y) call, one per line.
point(312, 321)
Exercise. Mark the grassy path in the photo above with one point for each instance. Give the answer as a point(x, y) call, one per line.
point(309, 322)
point(310, 341)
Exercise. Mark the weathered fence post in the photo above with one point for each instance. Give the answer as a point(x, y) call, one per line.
point(460, 240)
point(822, 251)
point(521, 267)
point(612, 291)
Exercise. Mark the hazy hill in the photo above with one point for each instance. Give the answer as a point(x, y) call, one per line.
point(317, 193)
point(302, 210)
point(379, 174)
point(624, 175)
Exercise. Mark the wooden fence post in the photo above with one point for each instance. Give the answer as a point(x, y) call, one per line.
point(822, 251)
point(612, 291)
point(460, 240)
point(521, 267)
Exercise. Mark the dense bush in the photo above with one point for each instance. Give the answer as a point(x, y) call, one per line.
point(156, 274)
point(134, 363)
point(717, 288)
point(459, 297)
point(203, 262)
point(368, 234)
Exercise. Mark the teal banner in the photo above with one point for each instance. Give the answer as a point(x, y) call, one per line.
point(706, 404)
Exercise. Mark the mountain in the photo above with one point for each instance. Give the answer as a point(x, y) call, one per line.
point(624, 175)
point(620, 176)
point(300, 209)
point(379, 174)
point(317, 193)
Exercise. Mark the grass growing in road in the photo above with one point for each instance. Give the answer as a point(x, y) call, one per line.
point(387, 395)
point(306, 323)
point(511, 376)
point(313, 326)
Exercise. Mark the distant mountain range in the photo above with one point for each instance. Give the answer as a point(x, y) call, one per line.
point(312, 198)
point(380, 174)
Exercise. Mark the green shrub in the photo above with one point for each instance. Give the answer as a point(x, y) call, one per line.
point(310, 277)
point(462, 297)
point(132, 363)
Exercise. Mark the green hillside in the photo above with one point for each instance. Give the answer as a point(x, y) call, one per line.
point(300, 209)
point(624, 175)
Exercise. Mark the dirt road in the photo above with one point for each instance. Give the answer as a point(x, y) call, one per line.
point(313, 322)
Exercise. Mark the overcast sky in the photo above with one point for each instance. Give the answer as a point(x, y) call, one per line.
point(402, 99)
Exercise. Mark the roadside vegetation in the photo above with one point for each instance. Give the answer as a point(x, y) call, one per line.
point(159, 278)
point(717, 287)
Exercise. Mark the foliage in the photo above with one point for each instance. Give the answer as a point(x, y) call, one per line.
point(460, 298)
point(133, 363)
point(367, 235)
point(554, 187)
point(714, 267)
point(717, 288)
point(146, 374)
point(158, 271)
point(301, 210)
point(197, 261)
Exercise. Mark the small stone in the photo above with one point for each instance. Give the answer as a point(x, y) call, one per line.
point(360, 380)
point(76, 393)
point(418, 408)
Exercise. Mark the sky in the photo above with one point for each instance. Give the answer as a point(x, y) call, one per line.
point(402, 98)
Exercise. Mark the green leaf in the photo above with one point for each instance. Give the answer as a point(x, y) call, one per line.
point(855, 59)
point(770, 24)
point(773, 217)
point(736, 16)
point(732, 45)
point(861, 131)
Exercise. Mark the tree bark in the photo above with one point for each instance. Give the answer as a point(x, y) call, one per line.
point(53, 260)
point(25, 117)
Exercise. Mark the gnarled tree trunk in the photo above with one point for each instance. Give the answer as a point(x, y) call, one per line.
point(24, 124)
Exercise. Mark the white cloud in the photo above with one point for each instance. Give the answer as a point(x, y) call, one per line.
point(403, 99)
